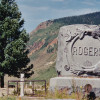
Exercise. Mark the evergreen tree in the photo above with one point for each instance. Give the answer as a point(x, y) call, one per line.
point(13, 39)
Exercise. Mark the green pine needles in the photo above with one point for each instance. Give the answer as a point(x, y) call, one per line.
point(13, 40)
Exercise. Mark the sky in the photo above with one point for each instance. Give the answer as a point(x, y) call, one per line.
point(36, 11)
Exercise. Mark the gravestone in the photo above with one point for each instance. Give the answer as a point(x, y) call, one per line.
point(79, 50)
point(78, 55)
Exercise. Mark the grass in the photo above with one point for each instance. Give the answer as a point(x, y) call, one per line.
point(57, 94)
point(47, 73)
point(50, 32)
point(8, 98)
point(35, 55)
point(63, 94)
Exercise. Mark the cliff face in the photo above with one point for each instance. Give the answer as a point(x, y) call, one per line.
point(42, 25)
point(38, 44)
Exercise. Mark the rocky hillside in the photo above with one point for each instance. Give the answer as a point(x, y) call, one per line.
point(43, 42)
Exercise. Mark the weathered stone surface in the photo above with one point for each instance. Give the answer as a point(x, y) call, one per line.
point(78, 55)
point(77, 82)
point(79, 50)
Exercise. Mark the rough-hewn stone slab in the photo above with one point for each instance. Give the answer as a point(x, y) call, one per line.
point(78, 50)
point(70, 81)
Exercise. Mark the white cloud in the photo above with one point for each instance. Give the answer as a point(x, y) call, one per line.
point(32, 8)
point(88, 3)
point(34, 15)
point(29, 11)
point(58, 0)
point(32, 19)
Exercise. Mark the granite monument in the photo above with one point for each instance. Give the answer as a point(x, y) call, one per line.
point(78, 56)
point(79, 50)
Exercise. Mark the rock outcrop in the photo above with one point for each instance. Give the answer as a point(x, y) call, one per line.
point(42, 25)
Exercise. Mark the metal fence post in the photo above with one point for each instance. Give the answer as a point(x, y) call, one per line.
point(8, 88)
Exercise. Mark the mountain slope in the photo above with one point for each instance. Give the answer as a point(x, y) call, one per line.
point(43, 42)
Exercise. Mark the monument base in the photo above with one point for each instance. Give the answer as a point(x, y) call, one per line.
point(69, 82)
